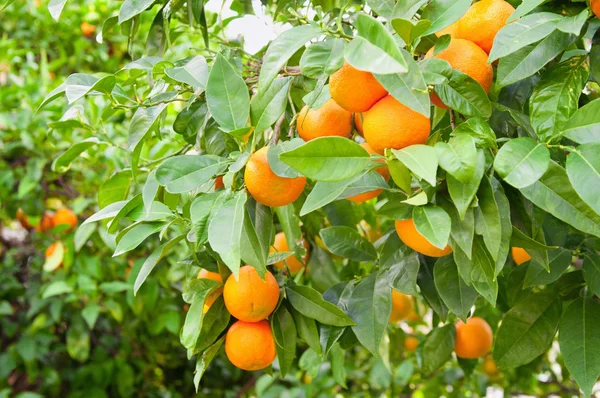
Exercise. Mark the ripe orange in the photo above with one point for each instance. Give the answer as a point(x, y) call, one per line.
point(483, 20)
point(473, 339)
point(413, 317)
point(402, 306)
point(215, 276)
point(22, 218)
point(355, 90)
point(389, 124)
point(87, 29)
point(358, 123)
point(280, 245)
point(411, 343)
point(467, 57)
point(219, 183)
point(383, 170)
point(451, 30)
point(329, 120)
point(46, 223)
point(595, 6)
point(250, 345)
point(489, 366)
point(412, 238)
point(268, 188)
point(65, 216)
point(520, 255)
point(250, 298)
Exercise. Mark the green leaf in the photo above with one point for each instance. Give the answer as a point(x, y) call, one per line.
point(325, 192)
point(194, 73)
point(370, 307)
point(55, 8)
point(55, 288)
point(459, 297)
point(347, 242)
point(458, 156)
point(463, 194)
point(583, 168)
point(409, 31)
point(135, 236)
point(580, 342)
point(115, 189)
point(81, 79)
point(480, 130)
point(149, 191)
point(522, 161)
point(528, 30)
point(202, 211)
point(328, 159)
point(108, 212)
point(408, 88)
point(281, 50)
point(206, 358)
point(225, 230)
point(419, 199)
point(400, 174)
point(519, 239)
point(560, 259)
point(104, 85)
point(338, 356)
point(527, 329)
point(426, 282)
point(403, 271)
point(433, 223)
point(443, 13)
point(227, 96)
point(131, 204)
point(421, 160)
point(582, 127)
point(591, 271)
point(82, 235)
point(307, 330)
point(195, 315)
point(311, 304)
point(131, 8)
point(374, 49)
point(290, 223)
point(530, 59)
point(191, 121)
point(553, 193)
point(251, 250)
point(438, 347)
point(525, 8)
point(78, 342)
point(555, 98)
point(462, 231)
point(90, 314)
point(479, 271)
point(368, 182)
point(266, 107)
point(322, 58)
point(114, 287)
point(56, 259)
point(142, 123)
point(214, 323)
point(284, 332)
point(186, 172)
point(465, 95)
point(63, 162)
point(487, 218)
point(152, 260)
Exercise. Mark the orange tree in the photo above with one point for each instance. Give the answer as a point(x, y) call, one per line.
point(486, 118)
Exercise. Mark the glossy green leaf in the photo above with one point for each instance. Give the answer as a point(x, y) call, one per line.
point(463, 194)
point(135, 236)
point(583, 126)
point(433, 223)
point(204, 360)
point(421, 160)
point(591, 271)
point(152, 260)
point(322, 58)
point(131, 8)
point(479, 271)
point(487, 218)
point(214, 323)
point(426, 282)
point(115, 189)
point(186, 172)
point(443, 13)
point(276, 165)
point(284, 332)
point(438, 347)
point(225, 230)
point(458, 156)
point(457, 295)
point(311, 304)
point(252, 252)
point(268, 106)
point(465, 95)
point(78, 342)
point(583, 168)
point(480, 130)
point(368, 182)
point(194, 72)
point(307, 330)
point(559, 261)
point(63, 162)
point(522, 161)
point(347, 242)
point(462, 231)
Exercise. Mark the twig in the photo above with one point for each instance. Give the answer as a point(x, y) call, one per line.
point(277, 129)
point(452, 119)
point(246, 387)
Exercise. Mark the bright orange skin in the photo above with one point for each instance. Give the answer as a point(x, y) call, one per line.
point(385, 173)
point(215, 276)
point(483, 20)
point(327, 121)
point(250, 298)
point(22, 218)
point(358, 123)
point(389, 124)
point(46, 223)
point(489, 366)
point(467, 57)
point(412, 238)
point(411, 343)
point(595, 7)
point(520, 255)
point(451, 30)
point(355, 90)
point(65, 216)
point(473, 339)
point(250, 346)
point(51, 249)
point(268, 188)
point(87, 29)
point(280, 245)
point(219, 183)
point(402, 306)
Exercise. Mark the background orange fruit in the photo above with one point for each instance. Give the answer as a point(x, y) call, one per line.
point(383, 171)
point(451, 30)
point(473, 339)
point(355, 90)
point(412, 238)
point(268, 188)
point(467, 57)
point(358, 123)
point(389, 124)
point(402, 306)
point(250, 298)
point(489, 366)
point(249, 345)
point(411, 343)
point(329, 120)
point(280, 245)
point(520, 255)
point(215, 276)
point(219, 182)
point(595, 7)
point(46, 223)
point(64, 216)
point(483, 20)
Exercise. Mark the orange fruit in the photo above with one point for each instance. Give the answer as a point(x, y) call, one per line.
point(46, 223)
point(22, 218)
point(413, 317)
point(402, 305)
point(389, 124)
point(250, 298)
point(214, 276)
point(268, 188)
point(473, 339)
point(51, 249)
point(411, 343)
point(451, 30)
point(383, 170)
point(65, 216)
point(329, 120)
point(219, 182)
point(280, 245)
point(250, 345)
point(358, 123)
point(355, 90)
point(595, 6)
point(483, 20)
point(467, 57)
point(412, 238)
point(520, 255)
point(87, 29)
point(489, 366)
